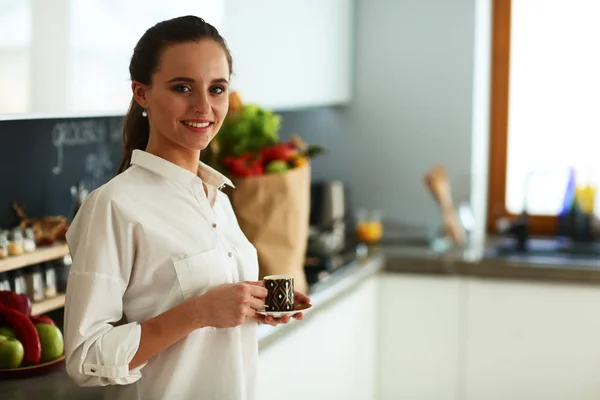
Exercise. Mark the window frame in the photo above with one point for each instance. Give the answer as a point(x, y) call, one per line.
point(498, 145)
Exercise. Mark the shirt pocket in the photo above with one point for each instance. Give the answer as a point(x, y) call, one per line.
point(248, 256)
point(202, 272)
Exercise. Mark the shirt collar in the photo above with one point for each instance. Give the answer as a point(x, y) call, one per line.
point(174, 172)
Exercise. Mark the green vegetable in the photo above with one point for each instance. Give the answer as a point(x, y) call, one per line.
point(248, 131)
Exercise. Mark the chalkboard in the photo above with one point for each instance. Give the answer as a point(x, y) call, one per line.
point(40, 159)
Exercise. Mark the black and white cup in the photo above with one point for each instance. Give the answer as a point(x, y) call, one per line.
point(280, 292)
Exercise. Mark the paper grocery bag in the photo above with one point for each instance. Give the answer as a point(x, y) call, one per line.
point(273, 212)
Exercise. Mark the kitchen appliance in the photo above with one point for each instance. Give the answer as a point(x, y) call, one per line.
point(331, 241)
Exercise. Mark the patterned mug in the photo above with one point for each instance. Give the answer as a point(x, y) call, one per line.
point(280, 292)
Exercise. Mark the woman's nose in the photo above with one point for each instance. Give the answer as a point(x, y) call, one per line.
point(201, 103)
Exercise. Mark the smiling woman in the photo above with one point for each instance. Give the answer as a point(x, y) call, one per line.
point(182, 85)
point(158, 247)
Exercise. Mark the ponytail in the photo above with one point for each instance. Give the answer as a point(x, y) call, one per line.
point(136, 131)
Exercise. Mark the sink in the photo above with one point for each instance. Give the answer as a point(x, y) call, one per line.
point(548, 251)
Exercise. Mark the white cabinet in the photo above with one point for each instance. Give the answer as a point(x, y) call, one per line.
point(65, 57)
point(289, 54)
point(532, 341)
point(419, 337)
point(330, 355)
point(102, 37)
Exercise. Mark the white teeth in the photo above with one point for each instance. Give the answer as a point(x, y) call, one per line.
point(197, 124)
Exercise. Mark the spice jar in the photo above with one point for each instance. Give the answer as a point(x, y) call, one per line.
point(34, 282)
point(29, 241)
point(15, 244)
point(49, 281)
point(62, 268)
point(18, 282)
point(3, 244)
point(4, 281)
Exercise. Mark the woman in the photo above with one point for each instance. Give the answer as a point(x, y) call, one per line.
point(163, 292)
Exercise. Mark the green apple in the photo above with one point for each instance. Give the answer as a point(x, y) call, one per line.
point(11, 352)
point(8, 332)
point(277, 166)
point(52, 342)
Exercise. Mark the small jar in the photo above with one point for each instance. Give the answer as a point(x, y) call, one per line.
point(15, 244)
point(18, 282)
point(34, 282)
point(4, 281)
point(3, 244)
point(62, 268)
point(29, 241)
point(49, 281)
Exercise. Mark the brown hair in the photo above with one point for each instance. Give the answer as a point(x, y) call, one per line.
point(144, 62)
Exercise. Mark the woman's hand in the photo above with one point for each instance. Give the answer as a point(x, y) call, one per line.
point(267, 319)
point(228, 305)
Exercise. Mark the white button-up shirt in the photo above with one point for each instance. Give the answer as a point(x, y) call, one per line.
point(143, 243)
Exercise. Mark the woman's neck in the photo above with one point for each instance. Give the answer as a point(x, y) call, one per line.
point(182, 156)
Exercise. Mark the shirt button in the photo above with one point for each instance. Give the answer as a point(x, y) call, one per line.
point(93, 369)
point(230, 254)
point(214, 224)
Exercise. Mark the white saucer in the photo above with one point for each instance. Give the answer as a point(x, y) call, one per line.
point(299, 307)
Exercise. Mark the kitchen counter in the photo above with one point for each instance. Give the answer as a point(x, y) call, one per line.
point(471, 262)
point(58, 385)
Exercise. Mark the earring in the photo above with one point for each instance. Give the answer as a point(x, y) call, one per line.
point(144, 113)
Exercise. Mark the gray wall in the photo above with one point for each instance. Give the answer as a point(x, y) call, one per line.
point(416, 67)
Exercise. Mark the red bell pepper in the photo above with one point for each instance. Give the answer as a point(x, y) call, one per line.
point(244, 165)
point(280, 151)
point(25, 331)
point(19, 302)
point(42, 319)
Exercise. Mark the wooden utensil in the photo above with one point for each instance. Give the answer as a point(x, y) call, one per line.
point(437, 182)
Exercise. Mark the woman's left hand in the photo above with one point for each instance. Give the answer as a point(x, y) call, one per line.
point(267, 319)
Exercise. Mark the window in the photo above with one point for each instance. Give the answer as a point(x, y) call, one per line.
point(545, 105)
point(15, 39)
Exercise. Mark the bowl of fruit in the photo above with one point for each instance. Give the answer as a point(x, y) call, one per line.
point(30, 345)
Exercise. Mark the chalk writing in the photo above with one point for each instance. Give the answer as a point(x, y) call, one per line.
point(75, 133)
point(99, 166)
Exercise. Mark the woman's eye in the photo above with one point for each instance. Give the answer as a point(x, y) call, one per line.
point(182, 89)
point(217, 89)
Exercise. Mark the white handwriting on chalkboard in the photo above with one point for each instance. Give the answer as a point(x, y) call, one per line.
point(98, 165)
point(75, 133)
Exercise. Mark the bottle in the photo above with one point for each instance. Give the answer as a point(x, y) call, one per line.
point(29, 241)
point(34, 282)
point(4, 281)
point(15, 245)
point(19, 286)
point(49, 281)
point(3, 244)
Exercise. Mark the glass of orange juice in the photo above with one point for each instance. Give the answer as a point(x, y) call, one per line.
point(369, 227)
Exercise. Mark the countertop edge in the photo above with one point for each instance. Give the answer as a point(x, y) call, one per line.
point(444, 264)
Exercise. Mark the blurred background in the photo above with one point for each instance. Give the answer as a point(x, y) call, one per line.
point(453, 246)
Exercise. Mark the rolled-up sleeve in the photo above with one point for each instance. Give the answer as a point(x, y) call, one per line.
point(97, 350)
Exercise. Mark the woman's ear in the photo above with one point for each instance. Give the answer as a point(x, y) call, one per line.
point(140, 93)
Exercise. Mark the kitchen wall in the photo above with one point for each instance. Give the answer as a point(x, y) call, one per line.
point(420, 97)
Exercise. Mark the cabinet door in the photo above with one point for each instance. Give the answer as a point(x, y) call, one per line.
point(290, 53)
point(419, 337)
point(102, 37)
point(529, 341)
point(328, 356)
point(72, 56)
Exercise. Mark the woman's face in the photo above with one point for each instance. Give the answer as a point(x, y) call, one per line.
point(189, 97)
